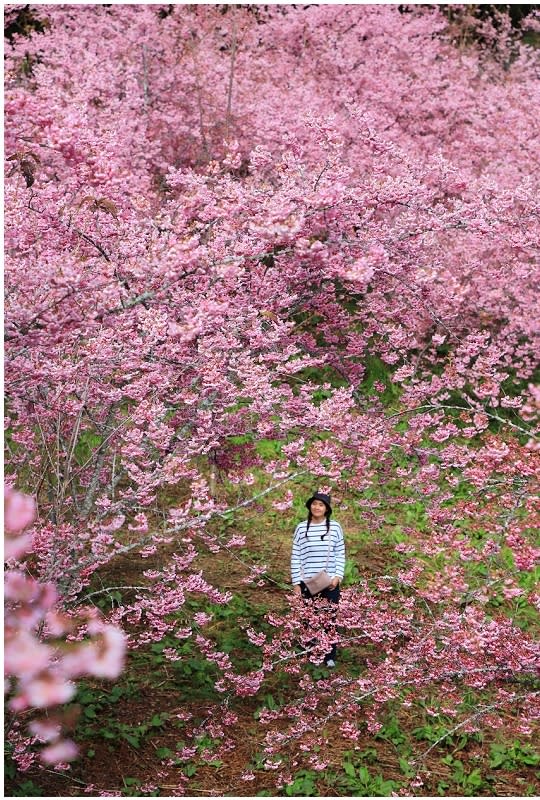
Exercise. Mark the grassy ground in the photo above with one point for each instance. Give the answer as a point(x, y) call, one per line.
point(129, 733)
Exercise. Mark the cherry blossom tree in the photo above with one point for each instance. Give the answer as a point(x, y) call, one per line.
point(220, 220)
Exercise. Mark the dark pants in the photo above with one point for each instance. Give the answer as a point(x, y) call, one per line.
point(332, 596)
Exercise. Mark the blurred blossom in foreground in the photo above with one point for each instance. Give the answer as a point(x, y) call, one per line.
point(39, 672)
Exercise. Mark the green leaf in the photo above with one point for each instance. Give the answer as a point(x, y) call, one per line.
point(349, 769)
point(406, 768)
point(475, 778)
point(363, 774)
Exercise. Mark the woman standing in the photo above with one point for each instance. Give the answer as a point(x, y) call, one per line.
point(318, 545)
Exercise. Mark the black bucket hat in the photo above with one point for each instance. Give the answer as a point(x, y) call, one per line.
point(325, 498)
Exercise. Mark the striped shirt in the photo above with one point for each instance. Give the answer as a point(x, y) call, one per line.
point(311, 552)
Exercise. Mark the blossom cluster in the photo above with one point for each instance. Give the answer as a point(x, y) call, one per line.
point(40, 663)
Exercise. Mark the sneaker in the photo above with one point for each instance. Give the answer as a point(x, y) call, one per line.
point(330, 663)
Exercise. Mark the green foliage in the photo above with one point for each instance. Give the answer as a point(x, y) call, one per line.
point(229, 635)
point(376, 371)
point(97, 716)
point(356, 780)
point(406, 768)
point(462, 491)
point(351, 575)
point(303, 785)
point(94, 702)
point(164, 752)
point(206, 744)
point(391, 732)
point(269, 703)
point(522, 611)
point(87, 446)
point(112, 598)
point(132, 788)
point(195, 674)
point(318, 376)
point(27, 789)
point(269, 448)
point(244, 438)
point(190, 769)
point(352, 757)
point(469, 783)
point(132, 734)
point(258, 761)
point(512, 756)
point(435, 729)
point(415, 514)
point(241, 402)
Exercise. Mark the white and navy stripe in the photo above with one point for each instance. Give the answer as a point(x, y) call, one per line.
point(311, 552)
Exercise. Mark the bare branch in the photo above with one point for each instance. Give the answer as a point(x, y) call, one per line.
point(231, 77)
point(102, 451)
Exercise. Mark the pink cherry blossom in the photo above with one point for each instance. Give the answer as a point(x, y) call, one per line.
point(19, 510)
point(61, 751)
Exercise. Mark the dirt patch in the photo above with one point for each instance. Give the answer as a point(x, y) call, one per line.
point(113, 767)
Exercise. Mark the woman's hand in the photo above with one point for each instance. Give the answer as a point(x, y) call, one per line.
point(297, 590)
point(335, 583)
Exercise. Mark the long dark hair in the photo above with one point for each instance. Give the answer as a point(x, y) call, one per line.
point(327, 515)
